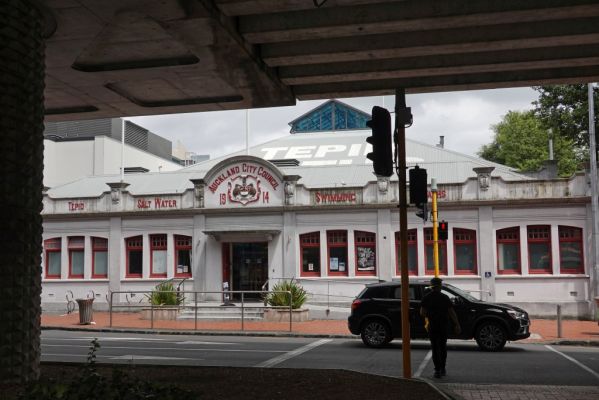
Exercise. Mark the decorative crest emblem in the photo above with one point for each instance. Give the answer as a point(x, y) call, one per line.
point(244, 189)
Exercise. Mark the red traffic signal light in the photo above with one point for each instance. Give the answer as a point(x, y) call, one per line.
point(443, 230)
point(381, 155)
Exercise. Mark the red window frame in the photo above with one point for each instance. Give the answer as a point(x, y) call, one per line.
point(182, 242)
point(539, 234)
point(134, 243)
point(365, 239)
point(509, 236)
point(309, 240)
point(337, 239)
point(75, 243)
point(571, 234)
point(53, 245)
point(462, 236)
point(428, 241)
point(99, 245)
point(412, 242)
point(157, 242)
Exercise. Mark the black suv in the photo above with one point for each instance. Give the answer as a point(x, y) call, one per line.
point(376, 316)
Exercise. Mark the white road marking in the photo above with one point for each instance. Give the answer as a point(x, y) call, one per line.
point(194, 342)
point(291, 354)
point(581, 365)
point(167, 348)
point(422, 365)
point(108, 339)
point(136, 357)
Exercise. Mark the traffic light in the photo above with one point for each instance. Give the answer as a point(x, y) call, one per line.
point(443, 230)
point(381, 155)
point(418, 186)
point(422, 211)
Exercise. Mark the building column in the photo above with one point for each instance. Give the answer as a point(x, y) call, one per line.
point(385, 240)
point(486, 263)
point(198, 254)
point(21, 163)
point(290, 257)
point(115, 266)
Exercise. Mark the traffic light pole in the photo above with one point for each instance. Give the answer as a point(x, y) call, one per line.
point(401, 116)
point(435, 227)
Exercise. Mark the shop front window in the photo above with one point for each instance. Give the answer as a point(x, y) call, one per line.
point(134, 257)
point(365, 243)
point(337, 251)
point(570, 250)
point(412, 253)
point(310, 254)
point(539, 249)
point(464, 247)
point(183, 256)
point(158, 256)
point(429, 251)
point(99, 257)
point(76, 256)
point(52, 248)
point(508, 251)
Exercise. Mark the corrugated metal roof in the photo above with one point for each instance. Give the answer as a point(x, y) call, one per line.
point(326, 160)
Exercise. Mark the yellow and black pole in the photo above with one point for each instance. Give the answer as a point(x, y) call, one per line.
point(435, 227)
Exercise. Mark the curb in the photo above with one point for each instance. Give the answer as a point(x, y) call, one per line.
point(200, 333)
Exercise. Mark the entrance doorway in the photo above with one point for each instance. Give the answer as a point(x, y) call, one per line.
point(249, 267)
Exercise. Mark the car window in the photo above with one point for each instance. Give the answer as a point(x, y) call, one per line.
point(451, 296)
point(378, 292)
point(411, 292)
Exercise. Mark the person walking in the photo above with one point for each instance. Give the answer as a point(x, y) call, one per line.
point(436, 307)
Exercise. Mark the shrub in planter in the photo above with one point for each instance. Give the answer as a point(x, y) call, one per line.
point(276, 298)
point(164, 294)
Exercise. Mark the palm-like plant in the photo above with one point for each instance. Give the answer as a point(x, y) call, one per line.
point(164, 294)
point(279, 298)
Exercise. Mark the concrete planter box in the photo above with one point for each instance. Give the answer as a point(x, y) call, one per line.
point(160, 312)
point(282, 315)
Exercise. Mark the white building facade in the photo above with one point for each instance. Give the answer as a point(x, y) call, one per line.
point(317, 214)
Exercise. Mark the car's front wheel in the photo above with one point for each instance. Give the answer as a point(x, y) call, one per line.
point(375, 333)
point(490, 336)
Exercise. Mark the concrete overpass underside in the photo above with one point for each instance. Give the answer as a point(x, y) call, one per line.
point(138, 57)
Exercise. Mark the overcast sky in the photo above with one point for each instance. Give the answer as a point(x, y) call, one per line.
point(464, 118)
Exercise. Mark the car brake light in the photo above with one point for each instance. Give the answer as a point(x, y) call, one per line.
point(355, 304)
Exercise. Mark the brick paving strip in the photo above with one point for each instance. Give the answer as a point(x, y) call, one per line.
point(519, 392)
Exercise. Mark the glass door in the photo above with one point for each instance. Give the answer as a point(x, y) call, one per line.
point(249, 267)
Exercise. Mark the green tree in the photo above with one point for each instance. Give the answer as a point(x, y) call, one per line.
point(521, 141)
point(565, 109)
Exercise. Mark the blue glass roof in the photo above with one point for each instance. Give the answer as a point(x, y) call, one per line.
point(330, 116)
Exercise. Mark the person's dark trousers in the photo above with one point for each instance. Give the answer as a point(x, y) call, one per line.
point(439, 348)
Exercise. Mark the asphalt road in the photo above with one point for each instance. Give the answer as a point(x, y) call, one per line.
point(518, 364)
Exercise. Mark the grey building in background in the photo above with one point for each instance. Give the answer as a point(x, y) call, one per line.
point(135, 135)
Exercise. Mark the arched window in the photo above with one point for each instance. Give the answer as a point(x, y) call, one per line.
point(76, 256)
point(183, 256)
point(158, 256)
point(571, 256)
point(135, 250)
point(310, 254)
point(337, 252)
point(539, 249)
point(428, 252)
point(52, 248)
point(365, 243)
point(508, 251)
point(99, 258)
point(412, 253)
point(464, 250)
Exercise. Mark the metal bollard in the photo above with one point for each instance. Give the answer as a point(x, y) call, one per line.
point(559, 321)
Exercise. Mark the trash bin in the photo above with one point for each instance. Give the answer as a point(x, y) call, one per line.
point(86, 312)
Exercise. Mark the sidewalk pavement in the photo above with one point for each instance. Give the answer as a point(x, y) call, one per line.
point(542, 331)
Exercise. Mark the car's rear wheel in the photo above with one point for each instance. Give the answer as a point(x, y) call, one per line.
point(490, 336)
point(375, 333)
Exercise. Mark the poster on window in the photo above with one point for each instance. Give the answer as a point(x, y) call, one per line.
point(365, 259)
point(334, 264)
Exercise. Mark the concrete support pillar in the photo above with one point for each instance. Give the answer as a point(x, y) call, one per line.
point(385, 242)
point(21, 166)
point(290, 241)
point(198, 255)
point(486, 265)
point(115, 263)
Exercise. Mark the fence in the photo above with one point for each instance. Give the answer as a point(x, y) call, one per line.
point(196, 305)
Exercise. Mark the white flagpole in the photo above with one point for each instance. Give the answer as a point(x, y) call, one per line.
point(247, 131)
point(122, 150)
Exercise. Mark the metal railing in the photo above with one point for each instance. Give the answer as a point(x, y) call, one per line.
point(196, 305)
